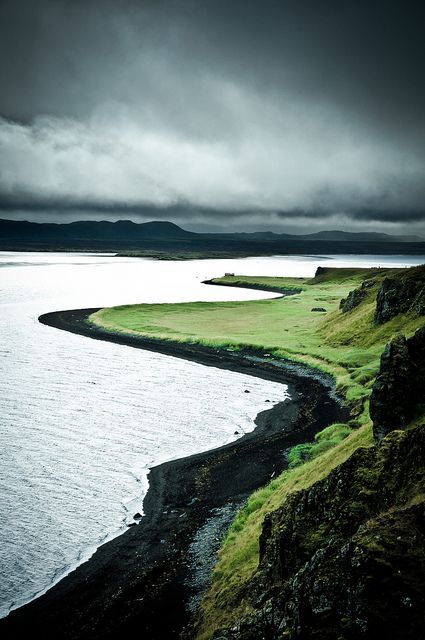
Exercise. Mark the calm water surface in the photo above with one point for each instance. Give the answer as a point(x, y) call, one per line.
point(81, 421)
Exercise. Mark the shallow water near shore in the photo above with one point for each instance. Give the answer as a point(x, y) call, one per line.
point(81, 420)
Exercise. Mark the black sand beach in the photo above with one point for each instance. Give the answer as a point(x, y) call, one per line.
point(145, 580)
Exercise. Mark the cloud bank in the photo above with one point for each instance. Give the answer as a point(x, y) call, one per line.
point(279, 115)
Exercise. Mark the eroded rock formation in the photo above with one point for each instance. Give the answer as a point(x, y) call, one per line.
point(401, 294)
point(356, 296)
point(399, 389)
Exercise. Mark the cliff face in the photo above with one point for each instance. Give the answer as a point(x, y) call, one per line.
point(397, 293)
point(346, 558)
point(401, 294)
point(399, 390)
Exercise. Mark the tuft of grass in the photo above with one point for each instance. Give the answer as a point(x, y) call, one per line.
point(323, 441)
point(299, 454)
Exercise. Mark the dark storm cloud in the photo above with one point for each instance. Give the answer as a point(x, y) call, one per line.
point(234, 113)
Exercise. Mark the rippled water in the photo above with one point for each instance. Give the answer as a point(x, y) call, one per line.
point(81, 421)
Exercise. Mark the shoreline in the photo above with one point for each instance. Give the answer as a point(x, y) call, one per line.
point(143, 580)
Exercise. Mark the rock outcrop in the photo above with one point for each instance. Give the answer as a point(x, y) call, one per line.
point(401, 294)
point(356, 296)
point(346, 557)
point(399, 389)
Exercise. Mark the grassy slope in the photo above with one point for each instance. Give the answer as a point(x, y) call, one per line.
point(346, 345)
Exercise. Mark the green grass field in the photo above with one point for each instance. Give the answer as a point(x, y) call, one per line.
point(348, 346)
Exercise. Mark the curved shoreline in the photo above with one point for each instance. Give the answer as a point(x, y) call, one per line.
point(142, 581)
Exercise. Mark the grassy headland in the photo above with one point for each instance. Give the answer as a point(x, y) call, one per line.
point(346, 345)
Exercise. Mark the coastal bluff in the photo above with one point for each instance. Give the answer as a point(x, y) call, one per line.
point(346, 558)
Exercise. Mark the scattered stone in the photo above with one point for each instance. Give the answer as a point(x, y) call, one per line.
point(247, 391)
point(137, 516)
point(321, 309)
point(236, 433)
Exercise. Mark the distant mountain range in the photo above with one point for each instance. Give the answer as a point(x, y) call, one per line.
point(162, 236)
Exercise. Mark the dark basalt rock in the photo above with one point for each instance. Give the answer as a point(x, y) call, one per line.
point(356, 296)
point(399, 390)
point(401, 294)
point(346, 557)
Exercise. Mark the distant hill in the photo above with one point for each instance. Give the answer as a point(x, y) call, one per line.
point(162, 236)
point(360, 237)
point(87, 229)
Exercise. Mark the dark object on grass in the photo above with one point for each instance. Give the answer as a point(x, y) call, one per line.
point(321, 309)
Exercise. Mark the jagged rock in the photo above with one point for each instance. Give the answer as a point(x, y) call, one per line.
point(346, 557)
point(356, 296)
point(399, 389)
point(401, 294)
point(389, 403)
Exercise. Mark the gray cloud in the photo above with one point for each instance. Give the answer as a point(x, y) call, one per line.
point(242, 114)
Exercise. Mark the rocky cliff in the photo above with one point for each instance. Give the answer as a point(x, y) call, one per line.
point(398, 292)
point(399, 391)
point(345, 559)
point(401, 294)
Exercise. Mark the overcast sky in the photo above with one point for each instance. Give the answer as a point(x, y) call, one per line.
point(239, 115)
